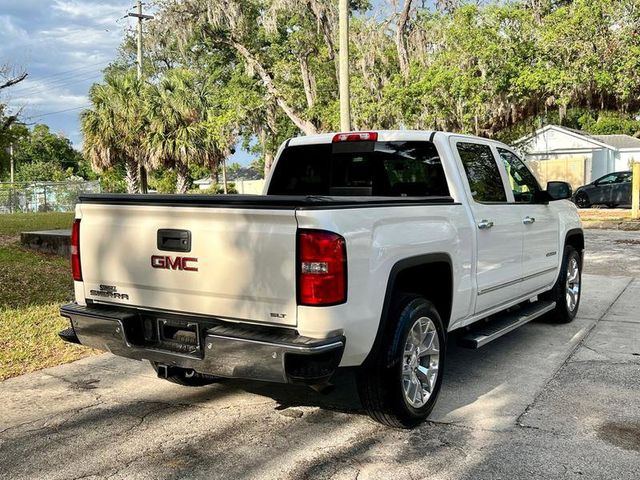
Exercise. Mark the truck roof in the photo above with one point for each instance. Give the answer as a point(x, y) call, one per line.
point(383, 135)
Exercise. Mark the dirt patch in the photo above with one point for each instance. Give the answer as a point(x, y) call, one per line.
point(623, 435)
point(627, 242)
point(8, 240)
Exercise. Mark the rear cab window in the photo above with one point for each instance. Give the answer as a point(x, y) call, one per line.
point(364, 168)
point(483, 174)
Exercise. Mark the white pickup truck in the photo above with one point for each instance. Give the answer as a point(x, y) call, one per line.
point(367, 250)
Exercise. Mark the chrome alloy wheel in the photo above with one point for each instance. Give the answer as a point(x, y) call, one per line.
point(420, 362)
point(573, 284)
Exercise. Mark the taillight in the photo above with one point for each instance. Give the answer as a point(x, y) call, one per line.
point(355, 137)
point(75, 251)
point(322, 268)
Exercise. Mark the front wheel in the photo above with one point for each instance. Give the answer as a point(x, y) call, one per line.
point(400, 386)
point(582, 200)
point(566, 292)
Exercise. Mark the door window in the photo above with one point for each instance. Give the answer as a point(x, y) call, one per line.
point(608, 180)
point(482, 172)
point(625, 177)
point(523, 183)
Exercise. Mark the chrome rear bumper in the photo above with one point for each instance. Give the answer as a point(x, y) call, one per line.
point(223, 349)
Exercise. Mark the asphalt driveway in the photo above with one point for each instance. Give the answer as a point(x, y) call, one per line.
point(546, 401)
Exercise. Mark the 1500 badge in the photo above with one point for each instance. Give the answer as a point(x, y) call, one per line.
point(166, 262)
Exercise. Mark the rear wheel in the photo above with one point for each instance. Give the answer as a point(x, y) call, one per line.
point(582, 200)
point(187, 377)
point(400, 387)
point(566, 292)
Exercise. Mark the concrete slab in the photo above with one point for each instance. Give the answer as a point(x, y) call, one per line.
point(489, 388)
point(48, 241)
point(593, 399)
point(627, 308)
point(619, 341)
point(612, 253)
point(598, 294)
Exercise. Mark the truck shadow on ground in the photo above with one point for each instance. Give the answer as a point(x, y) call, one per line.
point(461, 364)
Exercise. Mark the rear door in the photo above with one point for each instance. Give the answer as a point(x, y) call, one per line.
point(238, 264)
point(499, 227)
point(541, 250)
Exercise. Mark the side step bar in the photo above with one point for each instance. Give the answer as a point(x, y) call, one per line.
point(486, 331)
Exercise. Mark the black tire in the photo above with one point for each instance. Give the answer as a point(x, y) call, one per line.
point(582, 200)
point(563, 313)
point(380, 383)
point(189, 378)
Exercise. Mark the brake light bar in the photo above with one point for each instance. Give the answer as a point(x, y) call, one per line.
point(76, 268)
point(355, 137)
point(322, 271)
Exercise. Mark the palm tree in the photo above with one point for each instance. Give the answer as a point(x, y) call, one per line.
point(177, 135)
point(113, 127)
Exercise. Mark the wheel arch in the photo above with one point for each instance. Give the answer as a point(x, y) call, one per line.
point(437, 288)
point(575, 238)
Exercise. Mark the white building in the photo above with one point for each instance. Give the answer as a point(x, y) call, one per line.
point(246, 187)
point(560, 153)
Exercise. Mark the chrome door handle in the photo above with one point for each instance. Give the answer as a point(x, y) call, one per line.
point(485, 224)
point(528, 220)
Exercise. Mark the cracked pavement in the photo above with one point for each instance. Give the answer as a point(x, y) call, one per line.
point(546, 401)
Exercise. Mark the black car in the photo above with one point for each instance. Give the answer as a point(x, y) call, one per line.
point(612, 190)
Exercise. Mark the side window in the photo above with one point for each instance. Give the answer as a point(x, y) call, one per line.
point(522, 181)
point(608, 179)
point(625, 178)
point(482, 172)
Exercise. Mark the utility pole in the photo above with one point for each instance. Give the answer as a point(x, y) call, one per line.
point(11, 161)
point(345, 99)
point(635, 190)
point(139, 15)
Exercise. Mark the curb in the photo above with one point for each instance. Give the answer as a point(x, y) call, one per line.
point(612, 225)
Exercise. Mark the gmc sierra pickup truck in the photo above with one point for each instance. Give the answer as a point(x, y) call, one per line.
point(367, 250)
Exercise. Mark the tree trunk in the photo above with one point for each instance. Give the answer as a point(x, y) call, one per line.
point(308, 81)
point(305, 126)
point(401, 41)
point(132, 178)
point(268, 162)
point(224, 176)
point(327, 32)
point(182, 177)
point(143, 178)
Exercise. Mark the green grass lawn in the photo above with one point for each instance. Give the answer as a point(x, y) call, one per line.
point(13, 224)
point(32, 287)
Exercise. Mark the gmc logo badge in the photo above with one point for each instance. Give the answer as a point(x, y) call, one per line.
point(166, 262)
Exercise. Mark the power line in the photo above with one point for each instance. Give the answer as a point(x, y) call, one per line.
point(59, 111)
point(63, 72)
point(61, 83)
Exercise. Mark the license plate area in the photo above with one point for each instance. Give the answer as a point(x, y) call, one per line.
point(179, 336)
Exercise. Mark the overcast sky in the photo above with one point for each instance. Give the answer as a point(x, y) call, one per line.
point(63, 45)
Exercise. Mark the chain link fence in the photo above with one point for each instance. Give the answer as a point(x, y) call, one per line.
point(43, 196)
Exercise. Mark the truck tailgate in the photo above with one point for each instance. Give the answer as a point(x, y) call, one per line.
point(241, 263)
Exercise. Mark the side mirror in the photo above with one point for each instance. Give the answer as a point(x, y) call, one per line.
point(559, 190)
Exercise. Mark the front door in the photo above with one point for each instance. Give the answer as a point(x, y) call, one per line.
point(540, 251)
point(499, 228)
